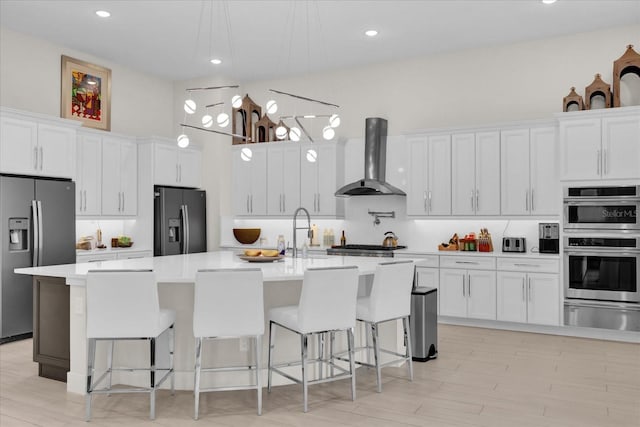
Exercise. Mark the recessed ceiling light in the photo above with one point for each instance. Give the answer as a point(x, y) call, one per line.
point(371, 33)
point(548, 1)
point(103, 13)
point(216, 61)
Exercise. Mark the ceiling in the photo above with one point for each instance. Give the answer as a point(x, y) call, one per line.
point(262, 39)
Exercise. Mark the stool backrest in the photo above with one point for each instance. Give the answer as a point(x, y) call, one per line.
point(328, 299)
point(228, 303)
point(121, 303)
point(391, 290)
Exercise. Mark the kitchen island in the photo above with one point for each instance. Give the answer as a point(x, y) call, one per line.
point(176, 275)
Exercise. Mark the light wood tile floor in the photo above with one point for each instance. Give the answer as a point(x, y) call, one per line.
point(482, 377)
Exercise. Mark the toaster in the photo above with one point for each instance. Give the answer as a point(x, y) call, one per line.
point(513, 244)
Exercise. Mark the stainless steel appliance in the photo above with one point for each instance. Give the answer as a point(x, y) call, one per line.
point(37, 217)
point(364, 250)
point(602, 267)
point(180, 225)
point(549, 238)
point(424, 323)
point(514, 244)
point(598, 208)
point(375, 159)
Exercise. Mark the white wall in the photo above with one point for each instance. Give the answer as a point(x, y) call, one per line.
point(141, 105)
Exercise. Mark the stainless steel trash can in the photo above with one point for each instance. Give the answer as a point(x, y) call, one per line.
point(424, 323)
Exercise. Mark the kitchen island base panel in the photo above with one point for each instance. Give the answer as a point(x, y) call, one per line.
point(231, 352)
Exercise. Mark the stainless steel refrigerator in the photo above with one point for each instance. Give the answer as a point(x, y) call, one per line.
point(38, 223)
point(180, 221)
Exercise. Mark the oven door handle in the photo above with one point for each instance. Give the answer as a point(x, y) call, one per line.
point(602, 252)
point(601, 304)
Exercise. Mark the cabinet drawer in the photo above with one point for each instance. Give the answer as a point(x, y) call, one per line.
point(95, 257)
point(421, 260)
point(468, 262)
point(529, 265)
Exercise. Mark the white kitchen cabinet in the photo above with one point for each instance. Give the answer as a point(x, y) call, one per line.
point(128, 254)
point(599, 145)
point(428, 277)
point(528, 291)
point(320, 169)
point(119, 176)
point(470, 291)
point(95, 257)
point(429, 185)
point(89, 175)
point(475, 176)
point(283, 185)
point(175, 166)
point(39, 146)
point(529, 183)
point(249, 176)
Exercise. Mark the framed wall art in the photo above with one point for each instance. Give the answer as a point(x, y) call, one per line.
point(85, 93)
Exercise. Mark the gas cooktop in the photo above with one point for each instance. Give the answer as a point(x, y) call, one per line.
point(364, 250)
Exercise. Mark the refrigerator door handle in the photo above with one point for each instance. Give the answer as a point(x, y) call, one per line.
point(36, 235)
point(187, 232)
point(40, 234)
point(183, 211)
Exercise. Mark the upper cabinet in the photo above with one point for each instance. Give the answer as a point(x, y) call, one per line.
point(175, 166)
point(321, 169)
point(529, 179)
point(429, 184)
point(283, 187)
point(600, 144)
point(249, 180)
point(119, 176)
point(89, 175)
point(32, 144)
point(475, 176)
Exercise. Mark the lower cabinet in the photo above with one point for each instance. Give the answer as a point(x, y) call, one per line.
point(468, 293)
point(124, 254)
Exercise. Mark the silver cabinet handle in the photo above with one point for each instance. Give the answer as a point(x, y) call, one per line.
point(119, 202)
point(532, 204)
point(85, 200)
point(472, 209)
point(247, 203)
point(463, 285)
point(604, 163)
point(529, 284)
point(80, 205)
point(318, 202)
point(424, 198)
point(35, 158)
point(123, 201)
point(429, 200)
point(523, 294)
point(41, 157)
point(467, 262)
point(469, 284)
point(284, 203)
point(526, 201)
point(599, 161)
point(527, 265)
point(477, 200)
point(251, 203)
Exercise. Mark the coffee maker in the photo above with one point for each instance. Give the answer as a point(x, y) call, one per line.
point(549, 238)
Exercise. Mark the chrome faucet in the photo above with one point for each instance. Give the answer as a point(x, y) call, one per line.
point(294, 250)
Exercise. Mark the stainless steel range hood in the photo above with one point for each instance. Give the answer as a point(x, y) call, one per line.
point(375, 158)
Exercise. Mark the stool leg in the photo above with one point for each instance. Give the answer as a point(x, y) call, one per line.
point(91, 356)
point(272, 332)
point(303, 346)
point(332, 339)
point(407, 340)
point(259, 371)
point(172, 348)
point(320, 354)
point(352, 367)
point(196, 380)
point(110, 363)
point(367, 343)
point(376, 354)
point(152, 378)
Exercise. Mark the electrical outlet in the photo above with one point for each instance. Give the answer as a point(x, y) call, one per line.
point(244, 344)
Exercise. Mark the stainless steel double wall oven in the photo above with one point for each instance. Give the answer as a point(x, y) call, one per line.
point(602, 256)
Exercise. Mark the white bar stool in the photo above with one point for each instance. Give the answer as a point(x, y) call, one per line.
point(389, 300)
point(327, 304)
point(123, 305)
point(228, 303)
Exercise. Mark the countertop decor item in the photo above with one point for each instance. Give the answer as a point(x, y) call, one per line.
point(572, 102)
point(629, 62)
point(260, 258)
point(246, 236)
point(598, 88)
point(453, 244)
point(85, 93)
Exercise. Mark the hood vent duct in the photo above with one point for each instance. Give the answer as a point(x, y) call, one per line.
point(375, 158)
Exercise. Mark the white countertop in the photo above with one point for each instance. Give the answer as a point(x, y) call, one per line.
point(183, 268)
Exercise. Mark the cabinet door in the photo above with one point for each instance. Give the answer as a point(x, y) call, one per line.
point(111, 196)
point(544, 299)
point(89, 175)
point(453, 300)
point(18, 146)
point(275, 180)
point(241, 181)
point(512, 297)
point(543, 157)
point(580, 151)
point(417, 189)
point(487, 200)
point(258, 176)
point(129, 178)
point(428, 277)
point(463, 163)
point(291, 181)
point(165, 166)
point(621, 147)
point(189, 168)
point(514, 188)
point(57, 148)
point(481, 294)
point(439, 175)
point(326, 202)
